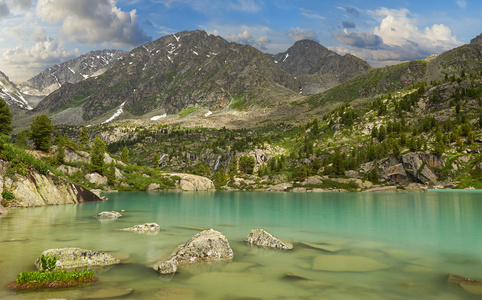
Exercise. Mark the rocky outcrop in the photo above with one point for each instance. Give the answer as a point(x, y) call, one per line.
point(189, 182)
point(414, 167)
point(208, 245)
point(470, 285)
point(69, 258)
point(108, 215)
point(148, 227)
point(37, 189)
point(96, 178)
point(3, 210)
point(262, 238)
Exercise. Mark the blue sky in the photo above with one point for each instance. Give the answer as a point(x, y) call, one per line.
point(35, 34)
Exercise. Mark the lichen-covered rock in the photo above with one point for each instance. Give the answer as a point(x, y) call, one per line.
point(69, 258)
point(207, 245)
point(260, 237)
point(148, 227)
point(108, 215)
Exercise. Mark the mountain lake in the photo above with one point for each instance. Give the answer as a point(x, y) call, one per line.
point(346, 245)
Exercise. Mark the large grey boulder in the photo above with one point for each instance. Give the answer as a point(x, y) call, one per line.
point(108, 215)
point(262, 238)
point(189, 182)
point(96, 178)
point(69, 258)
point(208, 245)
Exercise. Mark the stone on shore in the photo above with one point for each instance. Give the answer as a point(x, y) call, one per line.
point(108, 215)
point(208, 245)
point(148, 227)
point(69, 258)
point(262, 238)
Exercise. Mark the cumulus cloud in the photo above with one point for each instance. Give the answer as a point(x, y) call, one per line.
point(22, 4)
point(348, 24)
point(359, 39)
point(246, 38)
point(299, 34)
point(43, 53)
point(397, 38)
point(93, 21)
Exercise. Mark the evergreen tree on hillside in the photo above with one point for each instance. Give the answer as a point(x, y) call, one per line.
point(84, 138)
point(97, 155)
point(125, 155)
point(41, 129)
point(5, 118)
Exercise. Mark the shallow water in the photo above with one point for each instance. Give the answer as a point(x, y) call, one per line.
point(346, 245)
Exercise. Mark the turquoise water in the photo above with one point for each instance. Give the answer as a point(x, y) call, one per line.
point(398, 246)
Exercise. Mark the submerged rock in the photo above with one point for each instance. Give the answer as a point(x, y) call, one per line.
point(344, 263)
point(108, 215)
point(470, 285)
point(153, 227)
point(78, 258)
point(207, 245)
point(260, 237)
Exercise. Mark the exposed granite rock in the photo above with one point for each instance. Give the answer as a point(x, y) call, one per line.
point(68, 170)
point(109, 215)
point(260, 237)
point(470, 285)
point(153, 187)
point(96, 178)
point(207, 245)
point(148, 227)
point(69, 258)
point(3, 210)
point(37, 189)
point(476, 40)
point(191, 182)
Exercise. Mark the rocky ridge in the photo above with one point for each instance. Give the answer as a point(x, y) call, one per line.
point(12, 95)
point(92, 64)
point(189, 69)
point(318, 68)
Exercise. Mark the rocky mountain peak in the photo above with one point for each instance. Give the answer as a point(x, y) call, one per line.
point(175, 72)
point(88, 65)
point(11, 94)
point(477, 40)
point(317, 67)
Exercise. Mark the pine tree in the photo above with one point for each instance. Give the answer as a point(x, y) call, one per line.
point(5, 118)
point(22, 139)
point(111, 177)
point(84, 138)
point(60, 156)
point(41, 129)
point(125, 155)
point(97, 155)
point(155, 160)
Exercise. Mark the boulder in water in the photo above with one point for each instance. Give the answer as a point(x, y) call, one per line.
point(148, 227)
point(108, 215)
point(208, 245)
point(260, 237)
point(69, 258)
point(470, 285)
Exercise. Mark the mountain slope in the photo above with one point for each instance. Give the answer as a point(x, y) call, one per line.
point(175, 72)
point(464, 59)
point(317, 67)
point(88, 65)
point(11, 95)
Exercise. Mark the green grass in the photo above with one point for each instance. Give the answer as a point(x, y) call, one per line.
point(186, 112)
point(238, 104)
point(55, 279)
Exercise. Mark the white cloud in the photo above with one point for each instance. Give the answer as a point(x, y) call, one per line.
point(299, 34)
point(246, 38)
point(461, 3)
point(398, 38)
point(311, 14)
point(45, 52)
point(93, 21)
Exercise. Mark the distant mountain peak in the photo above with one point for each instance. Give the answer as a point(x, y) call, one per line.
point(317, 67)
point(90, 64)
point(11, 95)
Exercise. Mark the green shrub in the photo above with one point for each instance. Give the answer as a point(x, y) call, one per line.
point(8, 195)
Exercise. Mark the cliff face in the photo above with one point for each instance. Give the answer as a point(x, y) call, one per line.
point(37, 189)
